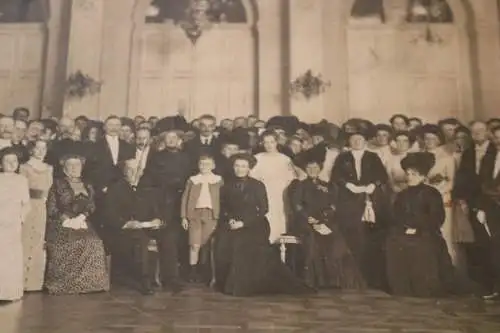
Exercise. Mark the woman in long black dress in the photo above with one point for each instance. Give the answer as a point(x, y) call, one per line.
point(362, 206)
point(328, 261)
point(246, 264)
point(418, 263)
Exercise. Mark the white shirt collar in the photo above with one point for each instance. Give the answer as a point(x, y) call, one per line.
point(111, 138)
point(482, 146)
point(209, 179)
point(207, 139)
point(357, 153)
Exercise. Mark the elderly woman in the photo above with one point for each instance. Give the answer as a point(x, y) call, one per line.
point(39, 175)
point(246, 264)
point(441, 177)
point(14, 205)
point(76, 262)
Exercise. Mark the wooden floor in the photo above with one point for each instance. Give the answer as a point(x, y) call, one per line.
point(200, 310)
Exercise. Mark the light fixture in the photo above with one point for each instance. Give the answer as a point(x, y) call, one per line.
point(308, 85)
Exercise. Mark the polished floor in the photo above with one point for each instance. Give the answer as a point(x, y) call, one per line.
point(200, 310)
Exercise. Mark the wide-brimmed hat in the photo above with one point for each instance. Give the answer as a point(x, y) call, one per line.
point(422, 162)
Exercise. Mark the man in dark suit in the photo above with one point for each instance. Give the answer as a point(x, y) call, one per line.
point(64, 145)
point(488, 215)
point(167, 172)
point(127, 211)
point(467, 191)
point(102, 167)
point(204, 144)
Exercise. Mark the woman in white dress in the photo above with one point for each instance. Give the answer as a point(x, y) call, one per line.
point(441, 177)
point(14, 205)
point(276, 171)
point(403, 141)
point(39, 175)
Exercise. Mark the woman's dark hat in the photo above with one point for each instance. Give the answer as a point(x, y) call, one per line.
point(10, 151)
point(431, 129)
point(168, 124)
point(71, 156)
point(252, 161)
point(421, 162)
point(313, 155)
point(289, 124)
point(383, 128)
point(410, 135)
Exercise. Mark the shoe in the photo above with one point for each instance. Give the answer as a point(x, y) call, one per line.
point(492, 297)
point(173, 287)
point(147, 290)
point(194, 277)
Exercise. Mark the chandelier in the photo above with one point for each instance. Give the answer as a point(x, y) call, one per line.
point(309, 85)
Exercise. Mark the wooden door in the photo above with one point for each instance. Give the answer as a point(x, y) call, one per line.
point(214, 76)
point(21, 66)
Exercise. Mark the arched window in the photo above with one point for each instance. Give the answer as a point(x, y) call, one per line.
point(231, 11)
point(429, 11)
point(23, 11)
point(368, 8)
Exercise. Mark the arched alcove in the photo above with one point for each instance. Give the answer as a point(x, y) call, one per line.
point(400, 66)
point(429, 11)
point(24, 11)
point(216, 73)
point(230, 11)
point(362, 9)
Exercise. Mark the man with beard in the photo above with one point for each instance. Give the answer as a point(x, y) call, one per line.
point(167, 172)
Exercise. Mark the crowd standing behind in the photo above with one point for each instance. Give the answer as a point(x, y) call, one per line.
point(405, 207)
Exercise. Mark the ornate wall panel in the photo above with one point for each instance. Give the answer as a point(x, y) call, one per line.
point(21, 66)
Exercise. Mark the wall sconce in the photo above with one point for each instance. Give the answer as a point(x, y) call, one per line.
point(308, 85)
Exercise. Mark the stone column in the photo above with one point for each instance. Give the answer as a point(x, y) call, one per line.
point(306, 53)
point(85, 51)
point(270, 56)
point(335, 59)
point(56, 53)
point(117, 30)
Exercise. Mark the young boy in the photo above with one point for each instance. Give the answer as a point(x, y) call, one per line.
point(200, 211)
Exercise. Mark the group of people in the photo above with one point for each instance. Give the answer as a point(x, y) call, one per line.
point(405, 207)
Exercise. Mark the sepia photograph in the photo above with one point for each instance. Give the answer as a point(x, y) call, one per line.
point(226, 166)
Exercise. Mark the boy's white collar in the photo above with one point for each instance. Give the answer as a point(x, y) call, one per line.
point(210, 178)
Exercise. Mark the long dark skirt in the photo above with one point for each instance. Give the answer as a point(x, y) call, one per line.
point(367, 244)
point(420, 266)
point(247, 265)
point(329, 263)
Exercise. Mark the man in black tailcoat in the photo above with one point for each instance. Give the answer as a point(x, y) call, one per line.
point(488, 215)
point(102, 168)
point(167, 172)
point(467, 191)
